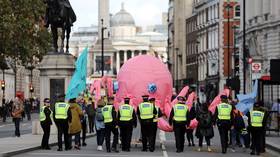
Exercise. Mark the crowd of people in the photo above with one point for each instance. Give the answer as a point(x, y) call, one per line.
point(74, 117)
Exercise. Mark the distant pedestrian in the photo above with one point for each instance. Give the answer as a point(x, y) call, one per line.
point(17, 115)
point(99, 125)
point(75, 126)
point(62, 116)
point(91, 114)
point(84, 118)
point(190, 130)
point(179, 119)
point(46, 122)
point(28, 108)
point(205, 126)
point(224, 116)
point(4, 109)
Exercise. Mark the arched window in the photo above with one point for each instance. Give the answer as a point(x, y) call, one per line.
point(237, 11)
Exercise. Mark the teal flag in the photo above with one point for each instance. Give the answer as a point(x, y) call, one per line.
point(78, 81)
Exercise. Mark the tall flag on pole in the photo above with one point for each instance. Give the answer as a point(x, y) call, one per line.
point(247, 101)
point(78, 81)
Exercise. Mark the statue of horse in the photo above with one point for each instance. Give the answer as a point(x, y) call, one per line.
point(59, 14)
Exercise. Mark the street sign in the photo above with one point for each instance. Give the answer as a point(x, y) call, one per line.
point(256, 67)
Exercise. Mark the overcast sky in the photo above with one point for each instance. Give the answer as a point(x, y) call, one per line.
point(145, 12)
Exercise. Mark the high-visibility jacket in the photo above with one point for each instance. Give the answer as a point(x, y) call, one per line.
point(224, 111)
point(156, 116)
point(146, 110)
point(180, 112)
point(257, 118)
point(107, 113)
point(43, 115)
point(126, 112)
point(61, 109)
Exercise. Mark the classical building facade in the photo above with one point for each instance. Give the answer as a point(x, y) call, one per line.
point(262, 37)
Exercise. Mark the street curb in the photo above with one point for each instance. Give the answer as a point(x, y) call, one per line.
point(29, 149)
point(272, 146)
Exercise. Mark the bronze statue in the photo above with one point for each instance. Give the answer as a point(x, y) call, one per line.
point(59, 14)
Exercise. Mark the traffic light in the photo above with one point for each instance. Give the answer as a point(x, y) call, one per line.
point(31, 89)
point(3, 85)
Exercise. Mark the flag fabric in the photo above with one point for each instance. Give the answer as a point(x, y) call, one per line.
point(78, 81)
point(217, 100)
point(246, 101)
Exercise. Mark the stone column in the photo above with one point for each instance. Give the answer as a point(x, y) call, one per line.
point(125, 56)
point(132, 54)
point(118, 61)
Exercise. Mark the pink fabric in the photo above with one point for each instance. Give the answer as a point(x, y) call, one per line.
point(110, 86)
point(193, 124)
point(164, 125)
point(137, 73)
point(217, 100)
point(96, 88)
point(191, 99)
point(183, 93)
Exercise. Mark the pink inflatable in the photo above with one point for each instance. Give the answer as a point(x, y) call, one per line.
point(135, 76)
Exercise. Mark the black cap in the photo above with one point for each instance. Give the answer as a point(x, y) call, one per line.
point(126, 98)
point(152, 99)
point(145, 96)
point(61, 96)
point(223, 97)
point(111, 98)
point(181, 98)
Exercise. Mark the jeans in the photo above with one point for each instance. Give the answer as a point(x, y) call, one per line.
point(100, 136)
point(45, 140)
point(17, 122)
point(77, 139)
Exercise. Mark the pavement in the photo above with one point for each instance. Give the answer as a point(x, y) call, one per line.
point(28, 146)
point(273, 141)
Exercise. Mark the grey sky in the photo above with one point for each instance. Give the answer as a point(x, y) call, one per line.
point(145, 12)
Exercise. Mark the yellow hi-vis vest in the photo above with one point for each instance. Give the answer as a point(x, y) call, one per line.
point(61, 109)
point(257, 118)
point(146, 110)
point(126, 112)
point(107, 113)
point(156, 116)
point(224, 111)
point(180, 112)
point(43, 115)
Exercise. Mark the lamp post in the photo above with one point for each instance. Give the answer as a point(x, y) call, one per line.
point(197, 64)
point(177, 69)
point(228, 7)
point(102, 47)
point(30, 67)
point(244, 46)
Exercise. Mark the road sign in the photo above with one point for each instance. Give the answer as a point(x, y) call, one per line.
point(256, 67)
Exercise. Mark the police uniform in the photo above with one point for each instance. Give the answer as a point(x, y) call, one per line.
point(110, 121)
point(126, 120)
point(224, 117)
point(179, 118)
point(155, 122)
point(46, 122)
point(255, 120)
point(146, 112)
point(62, 115)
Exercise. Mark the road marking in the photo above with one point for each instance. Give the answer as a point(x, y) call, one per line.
point(162, 139)
point(100, 155)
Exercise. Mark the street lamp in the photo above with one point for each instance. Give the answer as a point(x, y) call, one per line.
point(228, 7)
point(244, 47)
point(197, 64)
point(177, 68)
point(3, 66)
point(30, 67)
point(102, 47)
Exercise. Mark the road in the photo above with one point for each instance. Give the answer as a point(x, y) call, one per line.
point(7, 129)
point(168, 150)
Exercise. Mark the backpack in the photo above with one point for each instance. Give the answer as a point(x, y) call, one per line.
point(205, 120)
point(99, 115)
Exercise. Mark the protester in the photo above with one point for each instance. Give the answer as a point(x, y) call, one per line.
point(84, 118)
point(99, 125)
point(46, 122)
point(189, 130)
point(75, 126)
point(238, 124)
point(91, 115)
point(205, 126)
point(17, 115)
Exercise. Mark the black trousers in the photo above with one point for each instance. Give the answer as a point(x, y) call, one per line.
point(108, 129)
point(17, 123)
point(179, 132)
point(84, 131)
point(147, 134)
point(45, 140)
point(100, 136)
point(126, 135)
point(62, 129)
point(201, 140)
point(190, 136)
point(256, 139)
point(91, 123)
point(153, 142)
point(224, 128)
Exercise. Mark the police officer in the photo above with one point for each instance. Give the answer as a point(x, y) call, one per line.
point(62, 115)
point(224, 116)
point(155, 122)
point(179, 118)
point(146, 112)
point(126, 120)
point(110, 120)
point(256, 126)
point(46, 122)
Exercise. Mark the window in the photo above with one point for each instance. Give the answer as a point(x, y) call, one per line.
point(266, 17)
point(107, 64)
point(237, 11)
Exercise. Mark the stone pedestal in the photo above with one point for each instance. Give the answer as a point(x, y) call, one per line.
point(56, 71)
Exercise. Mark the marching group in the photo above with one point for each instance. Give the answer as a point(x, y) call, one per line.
point(235, 129)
